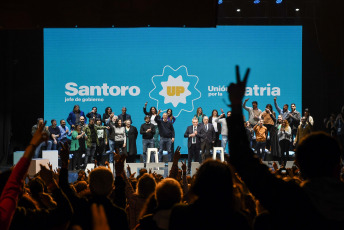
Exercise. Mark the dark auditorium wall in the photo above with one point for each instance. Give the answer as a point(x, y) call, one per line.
point(22, 73)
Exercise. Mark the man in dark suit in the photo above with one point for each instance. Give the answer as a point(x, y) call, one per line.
point(124, 116)
point(207, 135)
point(194, 142)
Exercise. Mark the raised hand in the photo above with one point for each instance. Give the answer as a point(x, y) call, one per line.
point(146, 104)
point(40, 134)
point(222, 111)
point(50, 166)
point(132, 175)
point(119, 163)
point(177, 155)
point(46, 175)
point(129, 169)
point(236, 91)
point(184, 165)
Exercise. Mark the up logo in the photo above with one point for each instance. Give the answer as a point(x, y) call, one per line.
point(176, 87)
point(175, 90)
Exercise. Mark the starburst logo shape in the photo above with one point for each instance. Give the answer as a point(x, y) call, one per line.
point(175, 89)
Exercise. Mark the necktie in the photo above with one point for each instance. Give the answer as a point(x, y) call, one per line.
point(206, 127)
point(194, 138)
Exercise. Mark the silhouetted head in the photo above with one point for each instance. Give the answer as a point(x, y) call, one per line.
point(146, 185)
point(318, 155)
point(168, 193)
point(36, 187)
point(101, 181)
point(213, 182)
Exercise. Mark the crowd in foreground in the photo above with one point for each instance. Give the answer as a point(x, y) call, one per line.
point(241, 193)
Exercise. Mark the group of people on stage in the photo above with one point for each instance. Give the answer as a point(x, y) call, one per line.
point(276, 133)
point(103, 134)
point(97, 136)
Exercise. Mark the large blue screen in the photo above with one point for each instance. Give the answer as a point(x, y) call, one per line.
point(177, 68)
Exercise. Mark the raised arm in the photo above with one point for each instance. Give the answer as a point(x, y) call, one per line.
point(244, 105)
point(174, 169)
point(276, 106)
point(219, 117)
point(185, 182)
point(12, 189)
point(257, 177)
point(157, 118)
point(145, 109)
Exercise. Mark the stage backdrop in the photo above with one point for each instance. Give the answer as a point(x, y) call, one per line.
point(177, 68)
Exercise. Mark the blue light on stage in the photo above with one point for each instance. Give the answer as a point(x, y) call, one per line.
point(220, 2)
point(256, 1)
point(279, 1)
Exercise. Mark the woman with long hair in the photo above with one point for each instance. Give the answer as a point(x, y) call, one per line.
point(107, 115)
point(119, 136)
point(217, 127)
point(199, 115)
point(284, 136)
point(153, 113)
point(170, 116)
point(74, 116)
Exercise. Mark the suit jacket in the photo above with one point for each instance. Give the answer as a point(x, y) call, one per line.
point(189, 130)
point(128, 117)
point(205, 135)
point(71, 119)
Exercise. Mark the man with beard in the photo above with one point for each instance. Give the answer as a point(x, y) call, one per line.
point(253, 112)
